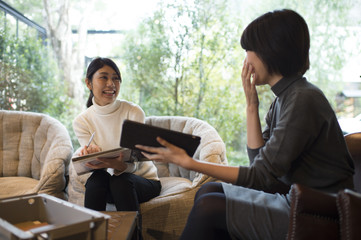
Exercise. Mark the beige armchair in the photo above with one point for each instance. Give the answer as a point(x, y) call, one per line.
point(164, 217)
point(35, 151)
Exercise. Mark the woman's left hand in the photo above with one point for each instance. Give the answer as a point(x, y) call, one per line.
point(116, 163)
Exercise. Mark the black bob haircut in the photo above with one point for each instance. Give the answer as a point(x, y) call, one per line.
point(281, 40)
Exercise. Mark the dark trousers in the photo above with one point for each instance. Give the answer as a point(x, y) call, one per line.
point(207, 219)
point(126, 191)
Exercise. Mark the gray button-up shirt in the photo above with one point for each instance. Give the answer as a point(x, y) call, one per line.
point(304, 142)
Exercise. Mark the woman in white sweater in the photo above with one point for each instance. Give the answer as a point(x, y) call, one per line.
point(124, 184)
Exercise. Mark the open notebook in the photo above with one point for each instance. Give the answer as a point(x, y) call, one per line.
point(79, 163)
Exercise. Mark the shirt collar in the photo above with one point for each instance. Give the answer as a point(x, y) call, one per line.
point(284, 83)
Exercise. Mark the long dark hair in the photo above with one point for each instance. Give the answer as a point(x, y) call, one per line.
point(281, 40)
point(94, 66)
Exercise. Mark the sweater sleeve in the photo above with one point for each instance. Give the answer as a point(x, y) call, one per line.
point(81, 130)
point(135, 113)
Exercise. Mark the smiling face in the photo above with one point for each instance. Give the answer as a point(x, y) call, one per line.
point(105, 85)
point(260, 73)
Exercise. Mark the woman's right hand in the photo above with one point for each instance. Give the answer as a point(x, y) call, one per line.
point(116, 163)
point(92, 148)
point(249, 86)
point(254, 131)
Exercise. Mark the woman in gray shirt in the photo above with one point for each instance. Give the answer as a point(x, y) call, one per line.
point(301, 143)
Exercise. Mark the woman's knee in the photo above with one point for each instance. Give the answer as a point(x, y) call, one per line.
point(210, 205)
point(123, 181)
point(208, 216)
point(210, 187)
point(98, 178)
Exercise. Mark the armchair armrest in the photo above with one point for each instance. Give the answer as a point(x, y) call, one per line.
point(349, 205)
point(53, 178)
point(313, 214)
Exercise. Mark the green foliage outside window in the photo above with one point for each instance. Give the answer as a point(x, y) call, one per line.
point(27, 82)
point(29, 77)
point(185, 60)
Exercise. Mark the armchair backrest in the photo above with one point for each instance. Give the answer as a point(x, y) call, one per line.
point(27, 139)
point(211, 148)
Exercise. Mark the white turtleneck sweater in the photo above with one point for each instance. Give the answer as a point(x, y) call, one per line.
point(106, 122)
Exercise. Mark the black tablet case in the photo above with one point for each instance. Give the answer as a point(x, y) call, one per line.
point(138, 133)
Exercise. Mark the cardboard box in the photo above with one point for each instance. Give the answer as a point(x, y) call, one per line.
point(41, 216)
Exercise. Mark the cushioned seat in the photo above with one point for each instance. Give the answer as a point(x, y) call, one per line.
point(164, 217)
point(35, 151)
point(174, 185)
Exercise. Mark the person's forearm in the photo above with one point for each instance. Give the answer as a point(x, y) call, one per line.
point(254, 130)
point(222, 172)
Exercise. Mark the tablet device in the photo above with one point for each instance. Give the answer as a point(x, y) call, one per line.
point(143, 134)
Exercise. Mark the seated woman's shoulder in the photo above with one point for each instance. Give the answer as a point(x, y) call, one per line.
point(135, 111)
point(127, 103)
